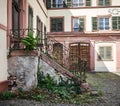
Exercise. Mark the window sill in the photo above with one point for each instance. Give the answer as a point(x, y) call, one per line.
point(105, 60)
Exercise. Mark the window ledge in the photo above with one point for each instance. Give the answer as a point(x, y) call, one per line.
point(105, 60)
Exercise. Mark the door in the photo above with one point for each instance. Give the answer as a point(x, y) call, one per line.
point(58, 53)
point(79, 57)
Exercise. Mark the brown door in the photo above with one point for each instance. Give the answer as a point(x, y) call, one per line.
point(58, 52)
point(79, 53)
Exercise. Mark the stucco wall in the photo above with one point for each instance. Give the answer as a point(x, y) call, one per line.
point(3, 12)
point(3, 42)
point(115, 2)
point(3, 56)
point(118, 55)
point(25, 70)
point(38, 10)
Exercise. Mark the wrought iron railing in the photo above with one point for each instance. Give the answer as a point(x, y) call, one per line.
point(55, 50)
point(16, 36)
point(72, 62)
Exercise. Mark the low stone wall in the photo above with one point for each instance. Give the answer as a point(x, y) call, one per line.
point(24, 68)
point(47, 69)
point(22, 72)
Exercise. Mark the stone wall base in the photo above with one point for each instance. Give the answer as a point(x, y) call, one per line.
point(24, 68)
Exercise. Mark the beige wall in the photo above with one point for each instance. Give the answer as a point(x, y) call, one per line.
point(3, 56)
point(115, 2)
point(3, 12)
point(3, 42)
point(38, 10)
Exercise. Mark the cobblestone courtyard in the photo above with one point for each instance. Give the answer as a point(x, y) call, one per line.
point(108, 83)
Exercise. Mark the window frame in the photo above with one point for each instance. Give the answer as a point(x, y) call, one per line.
point(88, 2)
point(16, 16)
point(104, 23)
point(78, 4)
point(84, 20)
point(105, 58)
point(56, 24)
point(117, 23)
point(95, 21)
point(30, 17)
point(104, 3)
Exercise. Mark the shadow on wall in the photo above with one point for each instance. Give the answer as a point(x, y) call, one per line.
point(102, 51)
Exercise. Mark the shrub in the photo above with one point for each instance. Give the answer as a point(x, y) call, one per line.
point(6, 95)
point(30, 41)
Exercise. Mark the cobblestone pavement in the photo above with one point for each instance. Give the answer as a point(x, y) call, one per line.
point(108, 83)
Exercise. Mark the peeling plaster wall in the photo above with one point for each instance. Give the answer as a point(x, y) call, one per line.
point(25, 70)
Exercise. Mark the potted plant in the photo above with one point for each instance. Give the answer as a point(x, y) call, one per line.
point(30, 41)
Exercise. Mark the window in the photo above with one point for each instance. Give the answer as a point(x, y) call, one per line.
point(101, 23)
point(116, 23)
point(38, 26)
point(57, 3)
point(103, 2)
point(78, 24)
point(56, 24)
point(30, 18)
point(105, 53)
point(94, 23)
point(88, 2)
point(16, 16)
point(77, 3)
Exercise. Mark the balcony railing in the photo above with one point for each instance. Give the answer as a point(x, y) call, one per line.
point(64, 5)
point(16, 36)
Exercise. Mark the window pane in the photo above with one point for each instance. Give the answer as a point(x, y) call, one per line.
point(100, 3)
point(101, 52)
point(104, 3)
point(116, 23)
point(101, 25)
point(30, 18)
point(60, 3)
point(56, 24)
point(81, 26)
point(78, 24)
point(88, 2)
point(107, 2)
point(77, 3)
point(104, 23)
point(105, 53)
point(108, 53)
point(94, 23)
point(75, 24)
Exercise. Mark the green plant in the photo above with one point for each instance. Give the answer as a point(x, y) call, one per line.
point(100, 92)
point(6, 95)
point(30, 41)
point(46, 81)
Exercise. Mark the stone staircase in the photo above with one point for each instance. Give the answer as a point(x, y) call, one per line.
point(77, 73)
point(57, 66)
